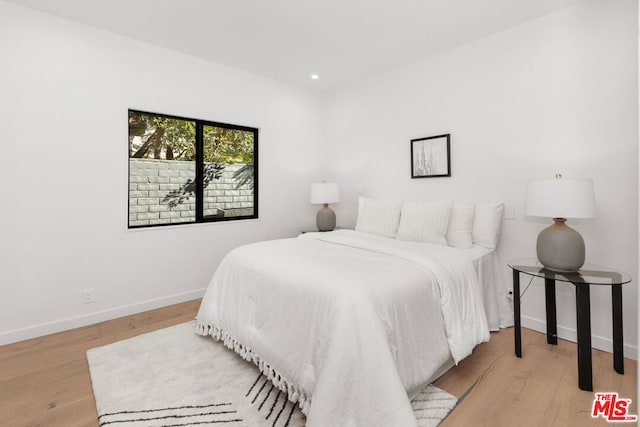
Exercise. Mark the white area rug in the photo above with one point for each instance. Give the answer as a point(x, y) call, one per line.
point(173, 377)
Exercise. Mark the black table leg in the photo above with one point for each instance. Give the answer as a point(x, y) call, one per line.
point(618, 345)
point(583, 314)
point(550, 300)
point(516, 312)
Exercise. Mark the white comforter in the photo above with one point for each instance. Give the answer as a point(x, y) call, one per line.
point(351, 325)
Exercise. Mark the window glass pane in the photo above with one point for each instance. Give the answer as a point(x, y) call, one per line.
point(162, 170)
point(228, 172)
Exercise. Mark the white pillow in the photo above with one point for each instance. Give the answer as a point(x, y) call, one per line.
point(486, 224)
point(424, 222)
point(378, 217)
point(461, 225)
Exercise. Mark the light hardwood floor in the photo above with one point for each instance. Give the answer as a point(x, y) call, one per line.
point(45, 381)
point(540, 389)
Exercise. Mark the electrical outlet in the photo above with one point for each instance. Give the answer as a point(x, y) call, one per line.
point(509, 212)
point(87, 296)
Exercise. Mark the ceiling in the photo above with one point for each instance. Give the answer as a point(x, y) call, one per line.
point(288, 40)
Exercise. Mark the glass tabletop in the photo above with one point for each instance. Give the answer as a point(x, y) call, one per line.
point(589, 273)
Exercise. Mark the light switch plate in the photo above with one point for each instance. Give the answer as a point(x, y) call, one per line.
point(509, 212)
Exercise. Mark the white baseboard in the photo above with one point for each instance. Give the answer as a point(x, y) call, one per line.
point(42, 329)
point(601, 343)
point(9, 337)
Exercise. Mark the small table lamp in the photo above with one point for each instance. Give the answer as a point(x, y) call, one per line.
point(325, 193)
point(560, 247)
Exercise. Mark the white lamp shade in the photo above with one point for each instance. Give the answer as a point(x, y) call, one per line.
point(561, 198)
point(325, 192)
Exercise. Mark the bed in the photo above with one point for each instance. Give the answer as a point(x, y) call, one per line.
point(352, 324)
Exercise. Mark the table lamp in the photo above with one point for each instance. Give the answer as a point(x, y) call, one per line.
point(325, 193)
point(560, 247)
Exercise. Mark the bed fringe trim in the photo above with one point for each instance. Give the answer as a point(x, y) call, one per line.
point(293, 394)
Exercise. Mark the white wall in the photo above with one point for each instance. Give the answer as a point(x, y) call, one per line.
point(557, 94)
point(64, 93)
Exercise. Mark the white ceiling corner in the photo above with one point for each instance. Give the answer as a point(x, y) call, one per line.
point(288, 40)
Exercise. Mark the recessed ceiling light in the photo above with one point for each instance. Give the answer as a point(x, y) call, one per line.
point(315, 76)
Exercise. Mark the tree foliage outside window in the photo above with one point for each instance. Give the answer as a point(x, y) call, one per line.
point(159, 137)
point(211, 148)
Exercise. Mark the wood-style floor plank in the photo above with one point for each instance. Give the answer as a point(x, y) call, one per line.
point(45, 381)
point(539, 389)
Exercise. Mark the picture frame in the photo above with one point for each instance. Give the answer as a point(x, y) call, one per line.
point(431, 156)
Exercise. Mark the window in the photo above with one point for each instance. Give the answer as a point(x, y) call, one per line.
point(184, 171)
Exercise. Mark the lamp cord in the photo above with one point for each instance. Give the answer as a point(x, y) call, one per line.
point(525, 289)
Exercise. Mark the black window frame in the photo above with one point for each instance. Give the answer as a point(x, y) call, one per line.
point(199, 166)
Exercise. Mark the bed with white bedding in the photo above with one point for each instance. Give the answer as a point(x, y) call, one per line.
point(350, 324)
point(353, 324)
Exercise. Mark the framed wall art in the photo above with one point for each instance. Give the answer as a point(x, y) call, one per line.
point(430, 156)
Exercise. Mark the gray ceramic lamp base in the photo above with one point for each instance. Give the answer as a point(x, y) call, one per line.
point(326, 219)
point(560, 247)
